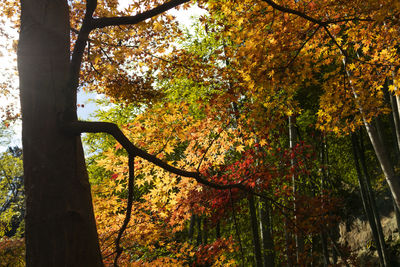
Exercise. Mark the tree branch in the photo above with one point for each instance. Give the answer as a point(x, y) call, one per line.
point(78, 127)
point(119, 250)
point(80, 44)
point(302, 46)
point(294, 12)
point(305, 16)
point(129, 20)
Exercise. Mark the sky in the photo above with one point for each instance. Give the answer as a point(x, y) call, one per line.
point(8, 69)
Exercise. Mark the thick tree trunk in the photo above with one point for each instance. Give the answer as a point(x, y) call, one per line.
point(60, 225)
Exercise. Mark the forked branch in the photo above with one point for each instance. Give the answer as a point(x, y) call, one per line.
point(89, 23)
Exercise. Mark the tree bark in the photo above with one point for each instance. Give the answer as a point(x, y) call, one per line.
point(396, 120)
point(365, 199)
point(191, 226)
point(372, 202)
point(299, 239)
point(254, 228)
point(218, 230)
point(266, 229)
point(60, 225)
point(199, 233)
point(380, 150)
point(324, 178)
point(205, 231)
point(396, 133)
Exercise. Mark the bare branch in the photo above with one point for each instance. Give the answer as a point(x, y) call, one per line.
point(130, 20)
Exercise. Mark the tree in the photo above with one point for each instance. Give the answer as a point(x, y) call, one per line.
point(60, 226)
point(11, 208)
point(11, 193)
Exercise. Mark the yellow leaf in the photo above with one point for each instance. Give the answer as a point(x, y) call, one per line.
point(240, 148)
point(263, 142)
point(157, 26)
point(169, 149)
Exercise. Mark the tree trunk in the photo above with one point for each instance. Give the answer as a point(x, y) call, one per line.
point(324, 178)
point(380, 150)
point(191, 227)
point(371, 199)
point(325, 251)
point(254, 228)
point(199, 233)
point(288, 241)
point(297, 236)
point(386, 165)
point(205, 231)
point(266, 229)
point(60, 225)
point(396, 134)
point(396, 120)
point(218, 230)
point(365, 199)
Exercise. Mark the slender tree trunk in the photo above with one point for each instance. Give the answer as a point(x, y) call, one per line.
point(60, 225)
point(371, 199)
point(288, 241)
point(380, 150)
point(191, 226)
point(297, 237)
point(266, 233)
point(396, 213)
point(324, 177)
point(254, 228)
point(365, 199)
point(218, 230)
point(199, 234)
point(384, 160)
point(396, 120)
point(396, 130)
point(205, 231)
point(325, 251)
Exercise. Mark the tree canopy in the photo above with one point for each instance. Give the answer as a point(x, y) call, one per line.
point(240, 140)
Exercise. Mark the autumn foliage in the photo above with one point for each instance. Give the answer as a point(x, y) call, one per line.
point(250, 97)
